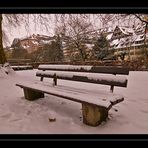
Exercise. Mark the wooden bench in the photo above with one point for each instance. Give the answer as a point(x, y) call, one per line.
point(20, 64)
point(108, 75)
point(17, 68)
point(95, 105)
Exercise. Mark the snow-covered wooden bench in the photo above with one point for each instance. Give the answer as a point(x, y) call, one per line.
point(106, 75)
point(95, 106)
point(16, 68)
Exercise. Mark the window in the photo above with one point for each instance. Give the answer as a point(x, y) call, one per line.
point(141, 36)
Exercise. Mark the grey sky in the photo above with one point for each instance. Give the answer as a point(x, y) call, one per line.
point(20, 31)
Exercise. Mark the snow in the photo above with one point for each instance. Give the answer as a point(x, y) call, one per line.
point(126, 30)
point(35, 42)
point(109, 36)
point(25, 46)
point(140, 37)
point(46, 42)
point(90, 76)
point(18, 115)
point(89, 45)
point(127, 41)
point(2, 72)
point(115, 42)
point(100, 98)
point(66, 67)
point(133, 35)
point(21, 66)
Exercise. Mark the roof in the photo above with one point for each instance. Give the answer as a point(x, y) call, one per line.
point(126, 30)
point(136, 37)
point(108, 37)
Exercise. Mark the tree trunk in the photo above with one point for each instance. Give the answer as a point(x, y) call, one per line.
point(145, 48)
point(2, 54)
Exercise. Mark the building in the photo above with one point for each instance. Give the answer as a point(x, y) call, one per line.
point(133, 40)
point(33, 42)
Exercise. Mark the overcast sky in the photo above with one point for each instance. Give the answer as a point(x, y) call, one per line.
point(12, 32)
point(20, 32)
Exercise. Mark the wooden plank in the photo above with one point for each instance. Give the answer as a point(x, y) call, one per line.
point(94, 69)
point(110, 70)
point(100, 100)
point(93, 113)
point(17, 68)
point(85, 79)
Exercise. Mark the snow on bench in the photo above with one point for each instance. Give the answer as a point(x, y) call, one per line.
point(87, 77)
point(16, 68)
point(107, 74)
point(95, 106)
point(84, 68)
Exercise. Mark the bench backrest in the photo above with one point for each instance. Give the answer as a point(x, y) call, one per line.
point(17, 68)
point(91, 69)
point(111, 80)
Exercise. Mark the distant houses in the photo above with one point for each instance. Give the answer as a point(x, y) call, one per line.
point(32, 43)
point(132, 40)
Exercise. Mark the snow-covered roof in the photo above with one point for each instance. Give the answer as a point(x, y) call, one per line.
point(45, 41)
point(115, 42)
point(108, 37)
point(146, 35)
point(140, 37)
point(140, 27)
point(126, 30)
point(25, 46)
point(89, 45)
point(35, 42)
point(128, 40)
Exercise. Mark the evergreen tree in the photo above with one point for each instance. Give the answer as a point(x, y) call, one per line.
point(101, 47)
point(50, 52)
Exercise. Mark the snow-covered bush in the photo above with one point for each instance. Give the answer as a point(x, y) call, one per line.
point(2, 72)
point(6, 68)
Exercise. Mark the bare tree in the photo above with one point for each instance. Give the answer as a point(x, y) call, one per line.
point(40, 20)
point(77, 29)
point(77, 26)
point(2, 54)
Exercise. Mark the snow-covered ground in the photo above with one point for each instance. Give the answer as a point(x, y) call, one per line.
point(18, 115)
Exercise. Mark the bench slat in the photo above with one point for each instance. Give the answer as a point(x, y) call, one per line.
point(103, 99)
point(97, 78)
point(16, 68)
point(92, 69)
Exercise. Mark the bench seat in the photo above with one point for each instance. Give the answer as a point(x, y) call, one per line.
point(95, 106)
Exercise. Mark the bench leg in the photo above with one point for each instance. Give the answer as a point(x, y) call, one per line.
point(93, 115)
point(41, 79)
point(31, 94)
point(111, 88)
